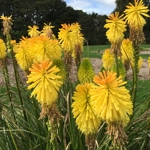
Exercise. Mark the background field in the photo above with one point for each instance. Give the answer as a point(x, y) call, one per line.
point(96, 51)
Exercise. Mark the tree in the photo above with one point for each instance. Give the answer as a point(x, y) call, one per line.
point(100, 30)
point(30, 12)
point(121, 5)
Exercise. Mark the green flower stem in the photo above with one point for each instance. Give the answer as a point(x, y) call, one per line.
point(117, 62)
point(52, 127)
point(54, 143)
point(17, 84)
point(54, 137)
point(135, 72)
point(68, 63)
point(7, 82)
point(48, 143)
point(16, 73)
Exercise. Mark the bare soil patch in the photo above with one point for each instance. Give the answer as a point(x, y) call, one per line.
point(143, 72)
point(11, 74)
point(97, 64)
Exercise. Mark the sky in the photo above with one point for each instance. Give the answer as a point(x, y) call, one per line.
point(102, 7)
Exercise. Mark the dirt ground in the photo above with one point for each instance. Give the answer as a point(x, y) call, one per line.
point(143, 72)
point(97, 63)
point(11, 74)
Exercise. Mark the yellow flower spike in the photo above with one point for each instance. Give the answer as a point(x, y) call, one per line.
point(23, 54)
point(108, 59)
point(2, 49)
point(7, 23)
point(47, 31)
point(110, 98)
point(45, 81)
point(46, 48)
point(69, 36)
point(76, 27)
point(6, 18)
point(33, 31)
point(65, 37)
point(82, 110)
point(71, 40)
point(140, 63)
point(134, 14)
point(116, 26)
point(127, 53)
point(78, 41)
point(127, 50)
point(77, 36)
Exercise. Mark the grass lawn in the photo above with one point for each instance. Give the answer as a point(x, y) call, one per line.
point(96, 51)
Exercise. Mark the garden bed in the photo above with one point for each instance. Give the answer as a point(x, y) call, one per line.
point(97, 63)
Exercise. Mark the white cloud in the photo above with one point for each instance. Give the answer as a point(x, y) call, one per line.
point(101, 11)
point(79, 4)
point(89, 6)
point(108, 2)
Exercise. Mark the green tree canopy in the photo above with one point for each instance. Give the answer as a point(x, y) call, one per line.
point(30, 12)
